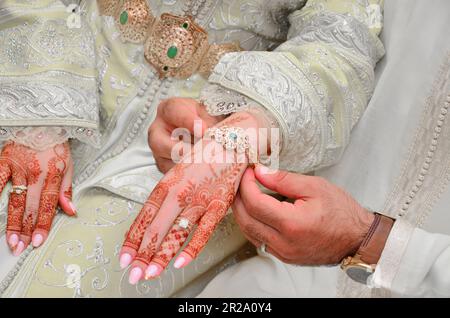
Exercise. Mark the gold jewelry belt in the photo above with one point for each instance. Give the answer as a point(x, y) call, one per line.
point(175, 46)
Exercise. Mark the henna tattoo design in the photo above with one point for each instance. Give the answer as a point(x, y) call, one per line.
point(137, 230)
point(49, 197)
point(28, 224)
point(208, 223)
point(170, 246)
point(205, 205)
point(23, 160)
point(16, 208)
point(68, 193)
point(146, 253)
point(20, 163)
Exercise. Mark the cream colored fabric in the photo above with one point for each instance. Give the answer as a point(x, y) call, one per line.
point(383, 162)
point(317, 84)
point(48, 73)
point(123, 166)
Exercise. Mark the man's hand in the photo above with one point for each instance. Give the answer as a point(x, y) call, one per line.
point(321, 227)
point(41, 180)
point(175, 113)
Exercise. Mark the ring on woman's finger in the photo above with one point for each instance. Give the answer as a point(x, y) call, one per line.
point(18, 189)
point(184, 223)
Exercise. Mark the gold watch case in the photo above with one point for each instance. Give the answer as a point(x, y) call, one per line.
point(357, 269)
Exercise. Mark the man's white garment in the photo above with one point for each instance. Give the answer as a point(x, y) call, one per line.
point(398, 162)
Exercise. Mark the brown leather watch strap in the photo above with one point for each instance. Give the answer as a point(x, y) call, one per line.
point(375, 240)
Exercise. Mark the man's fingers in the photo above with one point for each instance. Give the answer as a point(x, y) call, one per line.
point(181, 113)
point(65, 194)
point(261, 206)
point(16, 209)
point(164, 165)
point(254, 230)
point(47, 207)
point(291, 185)
point(160, 141)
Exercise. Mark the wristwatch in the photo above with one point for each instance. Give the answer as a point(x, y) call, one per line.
point(360, 266)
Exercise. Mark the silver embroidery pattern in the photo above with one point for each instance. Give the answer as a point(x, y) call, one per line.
point(42, 138)
point(260, 76)
point(257, 24)
point(40, 42)
point(340, 31)
point(38, 86)
point(52, 98)
point(424, 176)
point(219, 101)
point(296, 95)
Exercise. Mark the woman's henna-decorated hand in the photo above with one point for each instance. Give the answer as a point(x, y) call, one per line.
point(47, 176)
point(203, 198)
point(196, 194)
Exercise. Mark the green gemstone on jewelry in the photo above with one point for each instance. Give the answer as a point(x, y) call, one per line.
point(233, 136)
point(123, 17)
point(172, 52)
point(185, 25)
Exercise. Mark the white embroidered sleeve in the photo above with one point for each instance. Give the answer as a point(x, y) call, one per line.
point(317, 84)
point(414, 263)
point(48, 77)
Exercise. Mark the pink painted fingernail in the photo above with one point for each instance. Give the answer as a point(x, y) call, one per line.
point(37, 240)
point(135, 275)
point(125, 260)
point(152, 271)
point(19, 248)
point(13, 240)
point(179, 262)
point(72, 207)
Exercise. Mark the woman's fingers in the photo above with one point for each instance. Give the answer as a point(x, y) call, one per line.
point(65, 194)
point(16, 207)
point(5, 175)
point(31, 212)
point(153, 238)
point(140, 239)
point(137, 230)
point(174, 240)
point(207, 224)
point(47, 207)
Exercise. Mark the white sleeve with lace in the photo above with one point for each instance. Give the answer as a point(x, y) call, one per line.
point(48, 76)
point(316, 85)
